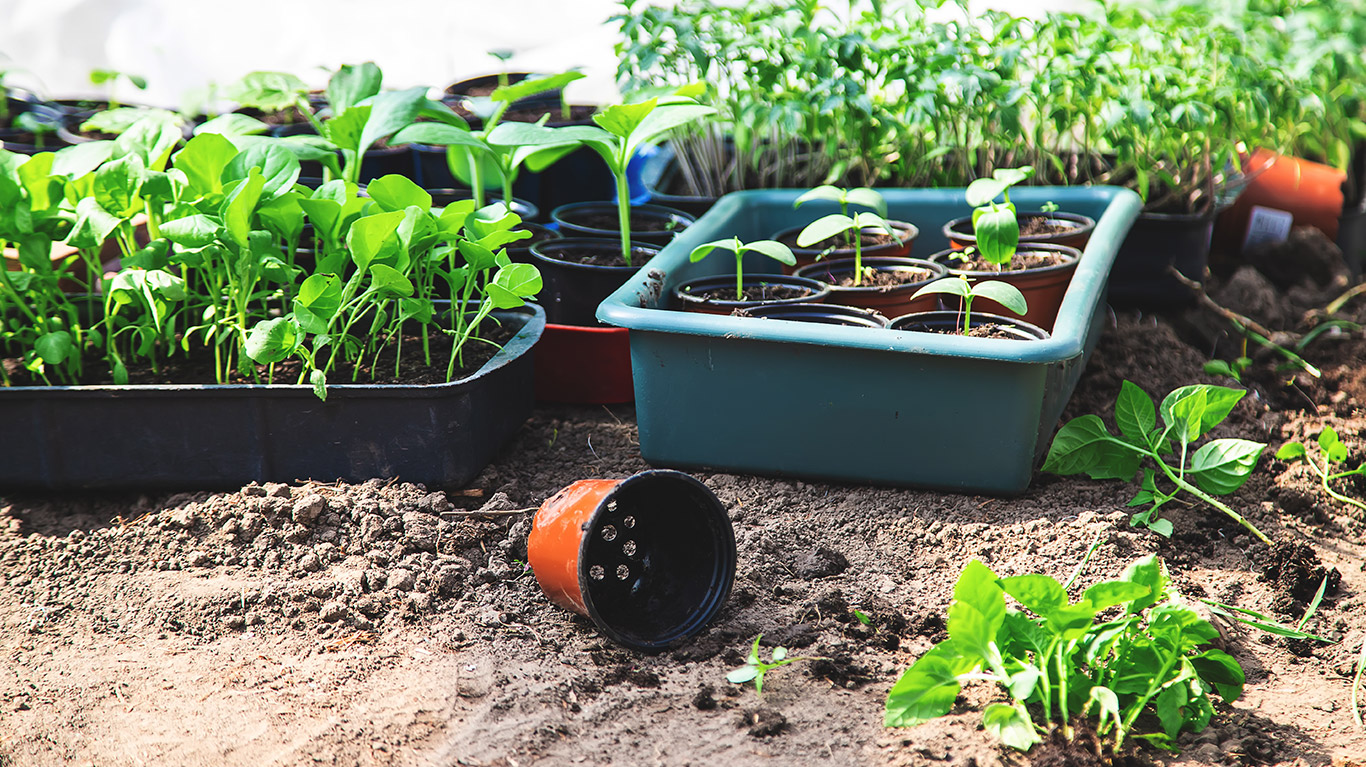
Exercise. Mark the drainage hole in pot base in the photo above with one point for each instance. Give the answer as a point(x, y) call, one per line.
point(666, 578)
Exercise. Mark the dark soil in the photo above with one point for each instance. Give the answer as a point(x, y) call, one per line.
point(760, 292)
point(609, 256)
point(886, 278)
point(381, 623)
point(1035, 226)
point(640, 222)
point(1023, 259)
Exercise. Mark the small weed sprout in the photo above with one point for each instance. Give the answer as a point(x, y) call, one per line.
point(755, 668)
point(1331, 451)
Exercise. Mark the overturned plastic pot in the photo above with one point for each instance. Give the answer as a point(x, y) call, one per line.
point(650, 558)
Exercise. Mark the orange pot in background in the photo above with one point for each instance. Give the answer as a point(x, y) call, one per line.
point(1310, 192)
point(650, 558)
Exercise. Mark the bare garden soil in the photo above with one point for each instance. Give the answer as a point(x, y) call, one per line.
point(388, 624)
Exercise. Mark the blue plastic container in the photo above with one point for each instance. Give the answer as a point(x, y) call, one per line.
point(856, 404)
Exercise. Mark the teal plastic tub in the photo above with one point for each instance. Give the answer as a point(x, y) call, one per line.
point(849, 404)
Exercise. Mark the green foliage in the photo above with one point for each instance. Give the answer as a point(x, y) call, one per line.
point(848, 228)
point(1066, 660)
point(1003, 293)
point(770, 248)
point(1331, 451)
point(755, 668)
point(1085, 446)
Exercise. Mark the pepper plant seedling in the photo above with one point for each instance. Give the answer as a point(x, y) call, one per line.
point(755, 668)
point(1219, 467)
point(1331, 451)
point(852, 227)
point(771, 248)
point(1003, 293)
point(994, 224)
point(1055, 658)
point(622, 129)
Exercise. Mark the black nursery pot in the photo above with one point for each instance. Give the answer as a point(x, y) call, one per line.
point(952, 322)
point(821, 314)
point(689, 295)
point(571, 291)
point(650, 558)
point(20, 141)
point(651, 224)
point(1157, 241)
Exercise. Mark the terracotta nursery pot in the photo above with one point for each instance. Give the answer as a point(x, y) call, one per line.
point(891, 300)
point(951, 322)
point(650, 558)
point(1310, 192)
point(696, 295)
point(1043, 287)
point(1077, 233)
point(821, 314)
point(807, 256)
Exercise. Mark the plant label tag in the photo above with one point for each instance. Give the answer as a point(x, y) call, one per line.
point(1267, 225)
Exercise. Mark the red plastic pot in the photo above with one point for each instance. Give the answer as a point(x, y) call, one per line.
point(650, 558)
point(584, 365)
point(1311, 192)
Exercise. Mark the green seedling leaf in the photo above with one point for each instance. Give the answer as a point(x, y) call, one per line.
point(203, 161)
point(390, 282)
point(1223, 465)
point(1107, 594)
point(389, 112)
point(532, 86)
point(1218, 668)
point(1003, 293)
point(268, 91)
point(998, 234)
point(277, 166)
point(1135, 414)
point(1290, 451)
point(352, 84)
point(1149, 573)
point(1193, 410)
point(1084, 446)
point(824, 228)
point(984, 190)
point(514, 283)
point(239, 206)
point(1329, 444)
point(76, 161)
point(929, 687)
point(395, 192)
point(117, 184)
point(823, 192)
point(1011, 725)
point(318, 379)
point(374, 237)
point(977, 612)
point(273, 340)
point(867, 198)
point(93, 225)
point(439, 134)
point(55, 348)
point(318, 301)
point(621, 119)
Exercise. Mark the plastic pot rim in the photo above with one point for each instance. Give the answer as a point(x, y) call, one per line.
point(1066, 250)
point(819, 290)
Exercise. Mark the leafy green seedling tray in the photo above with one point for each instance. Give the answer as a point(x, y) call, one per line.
point(856, 404)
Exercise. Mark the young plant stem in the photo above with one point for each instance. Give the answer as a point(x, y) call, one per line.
point(1325, 478)
point(624, 216)
point(1062, 693)
point(1198, 493)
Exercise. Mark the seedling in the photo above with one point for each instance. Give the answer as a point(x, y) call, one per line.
point(754, 668)
point(993, 223)
point(624, 128)
point(1269, 624)
point(1232, 369)
point(771, 248)
point(1054, 658)
point(1003, 293)
point(1219, 467)
point(111, 76)
point(1331, 451)
point(498, 149)
point(842, 223)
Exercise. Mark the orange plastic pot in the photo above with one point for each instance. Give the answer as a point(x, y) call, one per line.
point(1043, 287)
point(650, 558)
point(1311, 192)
